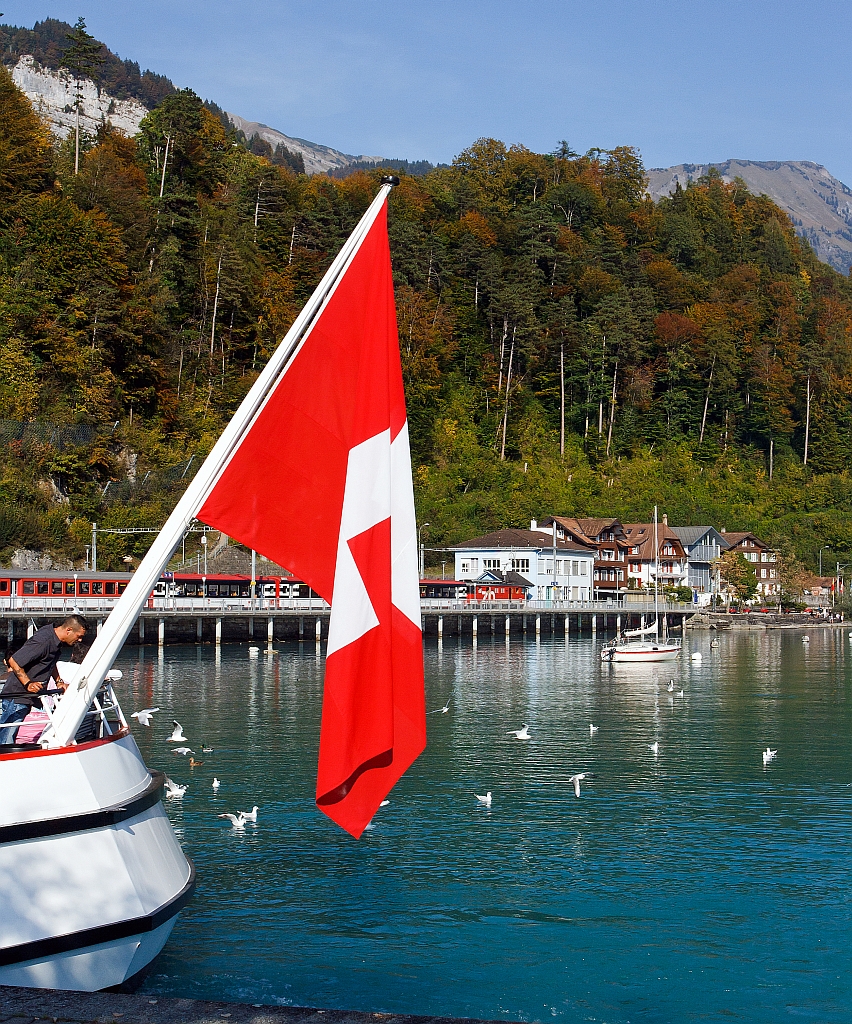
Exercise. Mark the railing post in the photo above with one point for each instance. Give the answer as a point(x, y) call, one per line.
point(537, 625)
point(440, 625)
point(270, 631)
point(218, 630)
point(508, 623)
point(474, 626)
point(318, 630)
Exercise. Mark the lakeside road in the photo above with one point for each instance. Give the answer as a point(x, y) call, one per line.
point(24, 1005)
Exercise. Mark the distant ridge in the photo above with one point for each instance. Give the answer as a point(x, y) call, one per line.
point(819, 204)
point(318, 159)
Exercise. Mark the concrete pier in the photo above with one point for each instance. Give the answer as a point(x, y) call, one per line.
point(24, 1005)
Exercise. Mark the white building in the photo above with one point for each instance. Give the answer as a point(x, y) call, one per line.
point(561, 572)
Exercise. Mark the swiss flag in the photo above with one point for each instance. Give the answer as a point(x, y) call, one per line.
point(321, 483)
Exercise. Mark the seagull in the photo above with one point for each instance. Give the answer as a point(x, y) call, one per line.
point(670, 687)
point(216, 783)
point(714, 642)
point(442, 710)
point(249, 815)
point(183, 750)
point(806, 639)
point(177, 736)
point(592, 729)
point(173, 790)
point(205, 749)
point(144, 716)
point(655, 747)
point(680, 693)
point(769, 755)
point(575, 780)
point(238, 821)
point(195, 764)
point(384, 803)
point(484, 800)
point(521, 734)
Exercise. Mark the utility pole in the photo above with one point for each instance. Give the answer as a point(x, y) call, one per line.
point(94, 547)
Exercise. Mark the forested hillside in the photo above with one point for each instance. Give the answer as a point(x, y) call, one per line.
point(569, 346)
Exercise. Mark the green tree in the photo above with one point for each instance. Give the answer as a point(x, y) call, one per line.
point(83, 57)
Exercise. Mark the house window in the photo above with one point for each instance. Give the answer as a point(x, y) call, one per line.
point(772, 574)
point(548, 567)
point(491, 563)
point(584, 568)
point(469, 565)
point(560, 565)
point(668, 549)
point(635, 567)
point(634, 551)
point(520, 565)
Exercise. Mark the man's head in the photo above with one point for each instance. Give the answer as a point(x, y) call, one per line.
point(72, 629)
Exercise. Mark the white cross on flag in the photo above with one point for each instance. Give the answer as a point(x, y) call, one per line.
point(321, 483)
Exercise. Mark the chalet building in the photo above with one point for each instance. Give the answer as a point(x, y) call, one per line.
point(642, 559)
point(763, 558)
point(606, 536)
point(702, 544)
point(530, 553)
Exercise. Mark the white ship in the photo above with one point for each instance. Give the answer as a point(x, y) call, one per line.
point(92, 876)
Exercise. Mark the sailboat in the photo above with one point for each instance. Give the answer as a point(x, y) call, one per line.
point(92, 876)
point(632, 645)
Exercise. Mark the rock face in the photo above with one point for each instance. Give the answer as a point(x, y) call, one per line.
point(318, 159)
point(52, 94)
point(819, 204)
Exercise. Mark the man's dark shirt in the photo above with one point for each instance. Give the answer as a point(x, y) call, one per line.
point(38, 658)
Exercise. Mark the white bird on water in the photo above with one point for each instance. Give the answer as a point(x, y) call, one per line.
point(575, 780)
point(654, 747)
point(384, 803)
point(216, 783)
point(443, 710)
point(249, 815)
point(173, 790)
point(484, 800)
point(144, 716)
point(236, 820)
point(521, 734)
point(806, 639)
point(183, 750)
point(769, 755)
point(670, 687)
point(177, 735)
point(592, 729)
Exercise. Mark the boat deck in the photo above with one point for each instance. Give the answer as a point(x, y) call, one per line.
point(24, 1005)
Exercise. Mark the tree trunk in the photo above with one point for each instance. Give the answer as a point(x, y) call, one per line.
point(562, 400)
point(215, 307)
point(165, 164)
point(506, 404)
point(502, 353)
point(808, 421)
point(706, 401)
point(77, 133)
point(611, 410)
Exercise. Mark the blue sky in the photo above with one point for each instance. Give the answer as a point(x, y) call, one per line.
point(682, 81)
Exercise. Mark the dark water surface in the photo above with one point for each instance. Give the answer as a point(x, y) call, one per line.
point(695, 885)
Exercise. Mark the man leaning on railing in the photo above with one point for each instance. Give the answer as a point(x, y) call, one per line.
point(31, 668)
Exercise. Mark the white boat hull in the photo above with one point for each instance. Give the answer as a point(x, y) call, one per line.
point(638, 653)
point(92, 876)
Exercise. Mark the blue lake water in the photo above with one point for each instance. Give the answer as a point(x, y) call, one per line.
point(694, 885)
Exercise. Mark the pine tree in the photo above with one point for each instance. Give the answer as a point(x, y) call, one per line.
point(83, 57)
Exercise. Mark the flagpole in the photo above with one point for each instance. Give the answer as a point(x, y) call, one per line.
point(75, 702)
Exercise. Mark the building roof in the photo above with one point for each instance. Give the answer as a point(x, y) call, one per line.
point(511, 539)
point(735, 538)
point(585, 530)
point(641, 535)
point(509, 579)
point(690, 535)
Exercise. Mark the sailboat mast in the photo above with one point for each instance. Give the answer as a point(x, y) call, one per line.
point(656, 579)
point(75, 702)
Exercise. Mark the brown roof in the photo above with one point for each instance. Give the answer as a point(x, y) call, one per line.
point(585, 530)
point(511, 538)
point(641, 535)
point(737, 538)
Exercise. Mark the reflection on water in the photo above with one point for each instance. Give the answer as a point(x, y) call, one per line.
point(690, 884)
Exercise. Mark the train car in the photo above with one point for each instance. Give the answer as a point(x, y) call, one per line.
point(443, 590)
point(60, 590)
point(497, 592)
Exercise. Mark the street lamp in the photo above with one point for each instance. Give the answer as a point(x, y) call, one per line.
point(204, 547)
point(420, 548)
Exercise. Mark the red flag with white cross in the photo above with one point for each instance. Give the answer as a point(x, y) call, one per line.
point(321, 483)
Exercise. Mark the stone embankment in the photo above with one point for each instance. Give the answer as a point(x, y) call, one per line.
point(755, 620)
point(25, 1005)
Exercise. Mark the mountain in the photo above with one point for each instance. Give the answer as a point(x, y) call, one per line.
point(52, 95)
point(819, 204)
point(318, 159)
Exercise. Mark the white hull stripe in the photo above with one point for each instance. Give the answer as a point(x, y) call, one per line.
point(101, 818)
point(42, 949)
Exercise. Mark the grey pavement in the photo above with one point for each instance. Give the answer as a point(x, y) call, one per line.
point(25, 1005)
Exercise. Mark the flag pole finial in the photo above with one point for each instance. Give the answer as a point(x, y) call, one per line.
point(390, 179)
